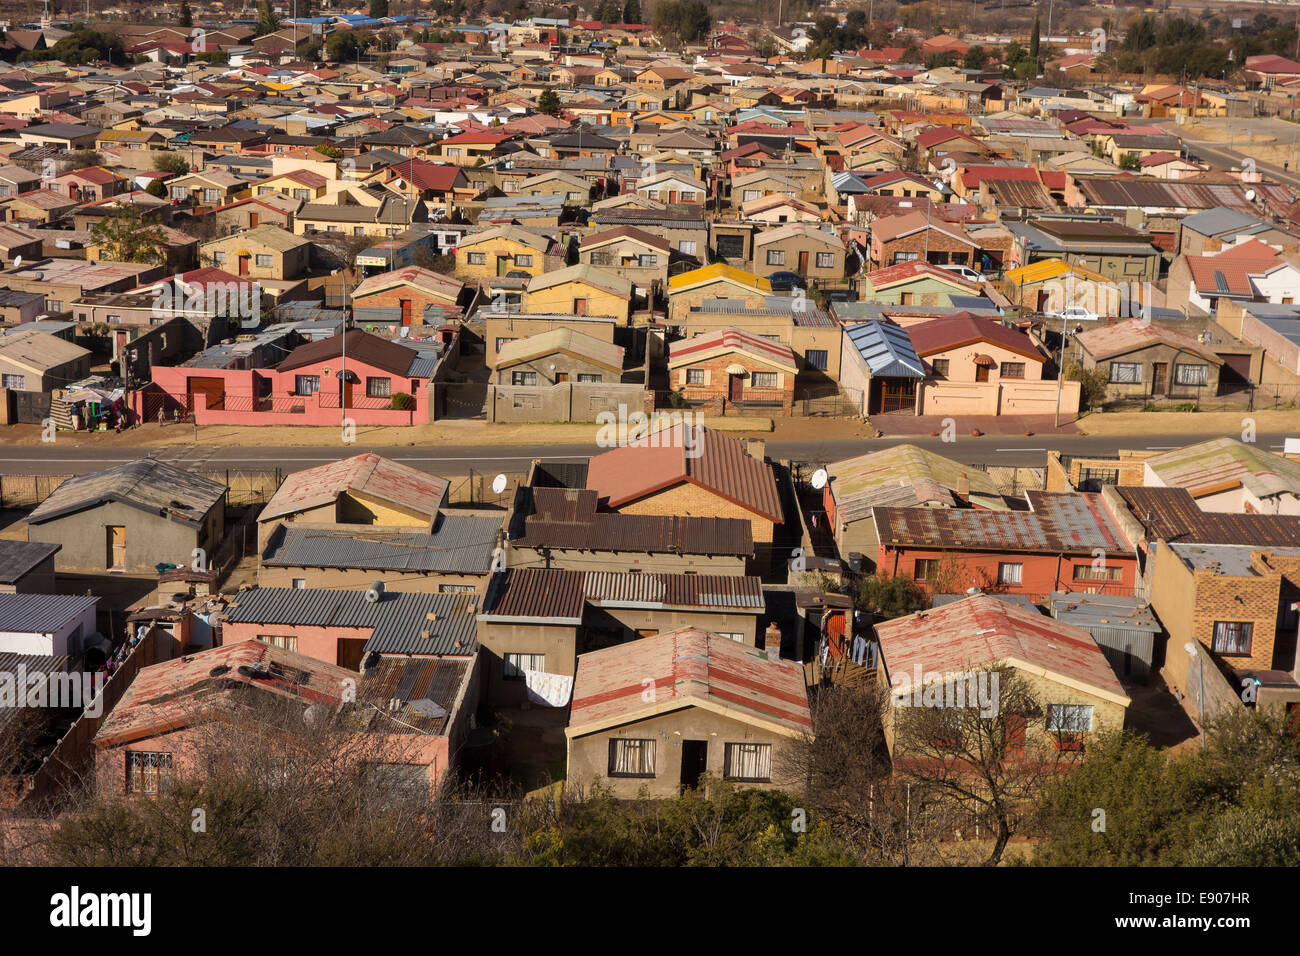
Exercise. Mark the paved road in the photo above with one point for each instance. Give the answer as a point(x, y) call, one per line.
point(1219, 153)
point(447, 460)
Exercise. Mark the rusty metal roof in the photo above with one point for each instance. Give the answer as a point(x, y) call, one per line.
point(563, 595)
point(150, 485)
point(1061, 523)
point(1171, 514)
point(369, 474)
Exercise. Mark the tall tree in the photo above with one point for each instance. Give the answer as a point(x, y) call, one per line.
point(187, 17)
point(1035, 41)
point(632, 11)
point(267, 22)
point(378, 8)
point(126, 237)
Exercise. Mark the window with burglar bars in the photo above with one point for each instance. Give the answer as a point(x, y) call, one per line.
point(1069, 718)
point(751, 763)
point(631, 758)
point(516, 664)
point(148, 771)
point(1010, 573)
point(1233, 637)
point(1192, 374)
point(283, 641)
point(1126, 373)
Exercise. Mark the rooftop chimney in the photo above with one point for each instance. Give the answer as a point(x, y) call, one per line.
point(963, 487)
point(756, 447)
point(772, 641)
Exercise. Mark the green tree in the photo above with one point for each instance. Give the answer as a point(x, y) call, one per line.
point(975, 58)
point(125, 237)
point(267, 22)
point(187, 17)
point(1035, 42)
point(685, 21)
point(342, 46)
point(632, 11)
point(156, 188)
point(548, 102)
point(887, 596)
point(378, 8)
point(325, 149)
point(173, 164)
point(1130, 161)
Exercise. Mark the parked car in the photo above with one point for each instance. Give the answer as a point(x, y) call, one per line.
point(1074, 313)
point(966, 272)
point(785, 281)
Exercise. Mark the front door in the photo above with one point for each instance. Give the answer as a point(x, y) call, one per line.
point(736, 387)
point(243, 265)
point(503, 265)
point(347, 394)
point(561, 377)
point(981, 373)
point(406, 311)
point(1159, 378)
point(579, 306)
point(803, 263)
point(349, 652)
point(115, 542)
point(695, 760)
point(252, 220)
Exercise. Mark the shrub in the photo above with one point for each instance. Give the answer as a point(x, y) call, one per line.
point(403, 402)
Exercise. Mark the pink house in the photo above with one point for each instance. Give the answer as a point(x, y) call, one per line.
point(315, 384)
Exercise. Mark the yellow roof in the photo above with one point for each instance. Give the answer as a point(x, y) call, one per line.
point(1050, 269)
point(720, 270)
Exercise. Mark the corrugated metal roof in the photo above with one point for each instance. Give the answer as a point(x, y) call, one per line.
point(398, 623)
point(1171, 514)
point(459, 544)
point(409, 679)
point(535, 593)
point(36, 613)
point(1103, 610)
point(886, 349)
point(370, 474)
point(567, 518)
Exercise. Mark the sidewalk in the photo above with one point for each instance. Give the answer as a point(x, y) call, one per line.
point(892, 426)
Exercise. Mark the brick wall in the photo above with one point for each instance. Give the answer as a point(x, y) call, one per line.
point(392, 299)
point(717, 381)
point(958, 252)
point(1252, 599)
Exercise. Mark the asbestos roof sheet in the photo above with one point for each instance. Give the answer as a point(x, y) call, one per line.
point(689, 667)
point(982, 631)
point(1061, 523)
point(17, 558)
point(368, 474)
point(1210, 465)
point(398, 623)
point(902, 475)
point(146, 484)
point(459, 544)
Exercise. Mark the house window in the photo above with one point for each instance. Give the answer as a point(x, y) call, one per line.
point(455, 588)
point(776, 257)
point(501, 342)
point(1009, 573)
point(379, 387)
point(749, 195)
point(1012, 370)
point(523, 378)
point(940, 367)
point(589, 377)
point(731, 247)
point(1232, 637)
point(476, 258)
point(1126, 373)
point(648, 262)
point(1192, 374)
point(694, 376)
point(358, 230)
point(516, 664)
point(905, 257)
point(1069, 718)
point(631, 758)
point(265, 190)
point(686, 247)
point(751, 763)
point(147, 771)
point(523, 260)
point(18, 382)
point(764, 380)
point(816, 358)
point(283, 641)
point(300, 584)
point(211, 195)
point(1086, 572)
point(263, 261)
point(301, 194)
point(926, 569)
point(737, 636)
point(307, 385)
point(180, 192)
point(825, 260)
point(219, 258)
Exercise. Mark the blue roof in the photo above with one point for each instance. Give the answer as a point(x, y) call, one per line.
point(886, 349)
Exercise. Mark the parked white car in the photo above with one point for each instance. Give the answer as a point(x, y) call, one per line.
point(966, 272)
point(1074, 313)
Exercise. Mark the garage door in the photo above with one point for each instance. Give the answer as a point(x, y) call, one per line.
point(1235, 372)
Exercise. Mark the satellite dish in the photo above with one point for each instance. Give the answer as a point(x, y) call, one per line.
point(18, 260)
point(819, 479)
point(427, 708)
point(498, 484)
point(314, 714)
point(1250, 195)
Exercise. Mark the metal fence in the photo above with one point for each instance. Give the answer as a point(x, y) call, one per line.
point(1248, 399)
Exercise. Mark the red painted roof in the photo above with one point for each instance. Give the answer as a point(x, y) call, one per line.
point(688, 667)
point(982, 630)
point(734, 339)
point(940, 335)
